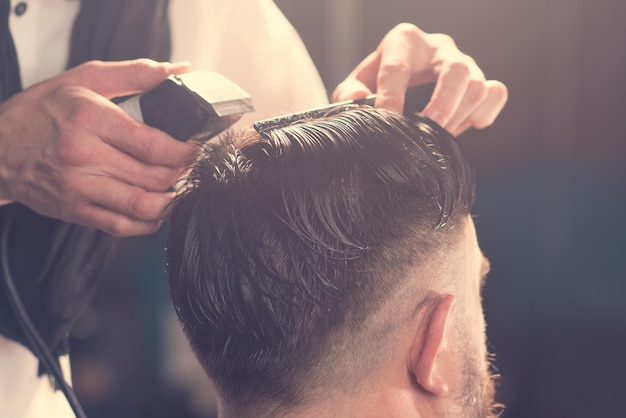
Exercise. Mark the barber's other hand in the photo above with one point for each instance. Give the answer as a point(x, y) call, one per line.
point(407, 56)
point(68, 152)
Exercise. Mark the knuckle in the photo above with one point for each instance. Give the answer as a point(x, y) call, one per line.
point(78, 117)
point(67, 92)
point(78, 107)
point(408, 29)
point(443, 39)
point(409, 33)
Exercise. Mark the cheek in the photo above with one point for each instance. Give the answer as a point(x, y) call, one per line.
point(475, 307)
point(473, 322)
point(478, 324)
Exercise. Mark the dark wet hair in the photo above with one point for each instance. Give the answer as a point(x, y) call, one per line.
point(282, 239)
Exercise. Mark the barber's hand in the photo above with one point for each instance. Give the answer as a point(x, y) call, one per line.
point(67, 152)
point(407, 56)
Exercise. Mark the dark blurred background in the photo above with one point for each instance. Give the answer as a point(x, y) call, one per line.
point(550, 209)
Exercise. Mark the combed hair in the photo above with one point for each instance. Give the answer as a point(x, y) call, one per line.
point(282, 239)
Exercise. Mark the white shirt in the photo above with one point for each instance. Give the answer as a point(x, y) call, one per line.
point(248, 41)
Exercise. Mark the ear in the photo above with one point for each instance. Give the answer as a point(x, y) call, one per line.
point(429, 343)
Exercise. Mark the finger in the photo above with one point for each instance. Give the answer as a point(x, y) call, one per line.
point(394, 74)
point(129, 170)
point(126, 200)
point(361, 82)
point(121, 78)
point(114, 223)
point(484, 115)
point(149, 145)
point(474, 96)
point(449, 91)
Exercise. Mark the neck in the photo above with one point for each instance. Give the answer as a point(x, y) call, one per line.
point(382, 401)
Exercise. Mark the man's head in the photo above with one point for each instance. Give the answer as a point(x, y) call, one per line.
point(331, 265)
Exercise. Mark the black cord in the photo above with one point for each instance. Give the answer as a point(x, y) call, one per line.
point(37, 344)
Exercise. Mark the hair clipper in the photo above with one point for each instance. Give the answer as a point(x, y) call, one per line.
point(197, 104)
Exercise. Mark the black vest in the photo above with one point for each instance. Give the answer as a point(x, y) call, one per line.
point(55, 265)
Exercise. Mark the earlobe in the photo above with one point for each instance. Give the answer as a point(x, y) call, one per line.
point(429, 344)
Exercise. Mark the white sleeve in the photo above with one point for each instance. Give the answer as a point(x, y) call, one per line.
point(252, 43)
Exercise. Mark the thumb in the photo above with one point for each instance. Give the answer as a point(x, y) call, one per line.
point(350, 89)
point(121, 78)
